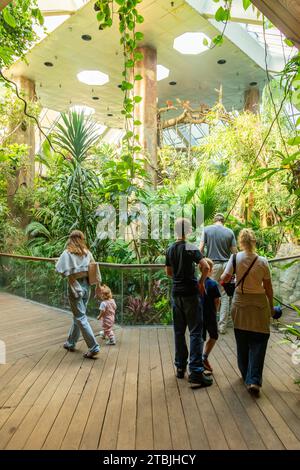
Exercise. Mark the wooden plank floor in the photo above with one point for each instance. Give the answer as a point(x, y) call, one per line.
point(129, 398)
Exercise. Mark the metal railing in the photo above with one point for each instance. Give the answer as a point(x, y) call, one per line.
point(141, 291)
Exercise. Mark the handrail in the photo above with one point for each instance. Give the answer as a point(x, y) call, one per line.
point(100, 263)
point(126, 266)
point(287, 258)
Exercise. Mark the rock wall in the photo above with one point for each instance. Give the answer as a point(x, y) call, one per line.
point(286, 280)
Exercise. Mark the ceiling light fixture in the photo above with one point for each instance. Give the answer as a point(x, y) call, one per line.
point(222, 61)
point(191, 43)
point(253, 83)
point(109, 114)
point(48, 64)
point(86, 37)
point(95, 98)
point(172, 83)
point(161, 72)
point(93, 77)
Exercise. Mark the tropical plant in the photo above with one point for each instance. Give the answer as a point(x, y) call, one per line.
point(17, 33)
point(75, 136)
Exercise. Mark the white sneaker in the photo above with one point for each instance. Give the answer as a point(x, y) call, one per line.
point(102, 335)
point(111, 342)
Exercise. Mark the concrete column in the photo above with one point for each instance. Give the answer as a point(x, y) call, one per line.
point(25, 134)
point(146, 111)
point(252, 100)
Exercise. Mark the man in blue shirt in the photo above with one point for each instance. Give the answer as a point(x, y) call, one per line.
point(181, 260)
point(219, 243)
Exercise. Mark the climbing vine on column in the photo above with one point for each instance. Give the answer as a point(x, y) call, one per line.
point(129, 18)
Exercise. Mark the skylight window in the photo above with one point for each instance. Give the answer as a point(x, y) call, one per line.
point(93, 77)
point(162, 72)
point(191, 43)
point(86, 110)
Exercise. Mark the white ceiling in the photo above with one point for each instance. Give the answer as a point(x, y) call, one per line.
point(197, 77)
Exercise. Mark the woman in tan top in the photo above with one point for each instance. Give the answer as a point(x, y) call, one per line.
point(251, 309)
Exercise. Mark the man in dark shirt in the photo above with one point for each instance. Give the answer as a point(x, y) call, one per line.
point(181, 259)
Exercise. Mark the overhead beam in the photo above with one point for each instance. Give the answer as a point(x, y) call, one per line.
point(237, 34)
point(58, 12)
point(284, 14)
point(208, 8)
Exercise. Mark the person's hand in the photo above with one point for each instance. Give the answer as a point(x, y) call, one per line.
point(98, 291)
point(201, 288)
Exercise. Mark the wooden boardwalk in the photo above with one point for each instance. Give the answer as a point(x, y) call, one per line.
point(129, 397)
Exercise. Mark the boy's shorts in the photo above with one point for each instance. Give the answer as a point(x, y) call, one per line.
point(210, 325)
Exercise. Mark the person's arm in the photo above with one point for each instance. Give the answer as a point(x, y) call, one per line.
point(267, 283)
point(98, 276)
point(217, 302)
point(202, 243)
point(101, 310)
point(233, 247)
point(228, 272)
point(168, 267)
point(169, 271)
point(204, 269)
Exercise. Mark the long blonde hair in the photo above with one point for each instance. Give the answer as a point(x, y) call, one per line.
point(76, 243)
point(247, 239)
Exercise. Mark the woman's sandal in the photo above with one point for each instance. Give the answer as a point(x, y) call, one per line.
point(90, 355)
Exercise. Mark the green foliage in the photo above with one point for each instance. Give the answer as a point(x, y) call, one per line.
point(129, 18)
point(16, 29)
point(73, 183)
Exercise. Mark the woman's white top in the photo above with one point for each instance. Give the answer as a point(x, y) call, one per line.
point(69, 264)
point(253, 284)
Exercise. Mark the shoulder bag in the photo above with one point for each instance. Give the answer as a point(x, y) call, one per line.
point(230, 286)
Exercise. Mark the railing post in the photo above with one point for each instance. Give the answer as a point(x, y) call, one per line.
point(25, 277)
point(122, 297)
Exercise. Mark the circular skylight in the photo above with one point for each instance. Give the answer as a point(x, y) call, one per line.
point(93, 77)
point(162, 72)
point(86, 110)
point(191, 43)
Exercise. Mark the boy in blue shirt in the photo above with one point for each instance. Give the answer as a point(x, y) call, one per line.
point(211, 304)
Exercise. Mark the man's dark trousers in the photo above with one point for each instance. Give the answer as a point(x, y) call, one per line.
point(187, 312)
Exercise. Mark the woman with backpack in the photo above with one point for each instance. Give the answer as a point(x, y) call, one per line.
point(251, 310)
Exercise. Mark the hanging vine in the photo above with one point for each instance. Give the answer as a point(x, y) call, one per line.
point(129, 18)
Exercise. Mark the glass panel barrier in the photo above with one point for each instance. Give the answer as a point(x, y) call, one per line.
point(142, 293)
point(12, 276)
point(146, 297)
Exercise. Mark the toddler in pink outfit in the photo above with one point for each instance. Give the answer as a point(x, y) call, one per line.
point(107, 314)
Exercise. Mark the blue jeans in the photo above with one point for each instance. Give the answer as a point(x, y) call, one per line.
point(80, 322)
point(251, 351)
point(187, 312)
